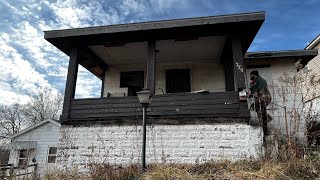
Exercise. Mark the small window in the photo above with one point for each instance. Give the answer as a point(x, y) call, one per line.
point(133, 80)
point(52, 155)
point(178, 80)
point(23, 157)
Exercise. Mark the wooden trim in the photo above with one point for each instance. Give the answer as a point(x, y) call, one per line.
point(102, 85)
point(277, 54)
point(151, 66)
point(238, 67)
point(154, 25)
point(70, 83)
point(162, 120)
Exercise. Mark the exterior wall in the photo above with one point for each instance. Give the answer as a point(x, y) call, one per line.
point(281, 68)
point(314, 69)
point(46, 135)
point(204, 76)
point(121, 145)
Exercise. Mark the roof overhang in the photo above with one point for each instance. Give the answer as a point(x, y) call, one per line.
point(313, 43)
point(245, 25)
point(303, 55)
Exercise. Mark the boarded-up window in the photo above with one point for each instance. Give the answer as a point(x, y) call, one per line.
point(178, 80)
point(52, 155)
point(133, 80)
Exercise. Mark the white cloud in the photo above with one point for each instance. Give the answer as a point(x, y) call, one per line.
point(29, 62)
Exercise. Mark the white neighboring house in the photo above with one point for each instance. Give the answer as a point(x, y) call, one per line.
point(36, 144)
point(313, 68)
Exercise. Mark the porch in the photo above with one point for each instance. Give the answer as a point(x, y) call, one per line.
point(208, 51)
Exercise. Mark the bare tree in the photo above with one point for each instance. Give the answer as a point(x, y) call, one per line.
point(11, 120)
point(45, 105)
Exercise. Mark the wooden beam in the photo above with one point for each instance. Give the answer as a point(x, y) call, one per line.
point(102, 84)
point(86, 55)
point(226, 59)
point(70, 84)
point(238, 67)
point(151, 66)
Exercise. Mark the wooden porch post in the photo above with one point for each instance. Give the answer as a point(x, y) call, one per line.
point(70, 84)
point(151, 66)
point(239, 74)
point(102, 85)
point(238, 68)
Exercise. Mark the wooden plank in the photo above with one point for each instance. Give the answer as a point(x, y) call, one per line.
point(233, 112)
point(153, 104)
point(219, 97)
point(238, 68)
point(172, 120)
point(102, 85)
point(226, 59)
point(70, 84)
point(151, 66)
point(214, 108)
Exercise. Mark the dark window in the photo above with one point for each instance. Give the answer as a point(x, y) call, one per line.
point(178, 80)
point(52, 155)
point(23, 157)
point(134, 80)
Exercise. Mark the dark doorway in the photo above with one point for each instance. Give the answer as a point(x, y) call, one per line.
point(178, 80)
point(134, 80)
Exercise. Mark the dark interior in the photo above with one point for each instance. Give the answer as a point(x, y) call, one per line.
point(178, 80)
point(134, 80)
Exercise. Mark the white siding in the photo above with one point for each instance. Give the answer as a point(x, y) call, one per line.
point(46, 135)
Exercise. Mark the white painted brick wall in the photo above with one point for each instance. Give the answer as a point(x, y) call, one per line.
point(121, 145)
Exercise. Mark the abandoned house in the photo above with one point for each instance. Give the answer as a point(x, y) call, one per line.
point(32, 150)
point(195, 69)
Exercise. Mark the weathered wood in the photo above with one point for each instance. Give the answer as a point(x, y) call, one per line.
point(89, 60)
point(219, 103)
point(102, 85)
point(215, 113)
point(213, 108)
point(226, 59)
point(244, 110)
point(70, 83)
point(172, 120)
point(217, 98)
point(151, 66)
point(238, 68)
point(223, 104)
point(176, 23)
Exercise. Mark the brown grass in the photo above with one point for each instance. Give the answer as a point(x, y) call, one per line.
point(305, 168)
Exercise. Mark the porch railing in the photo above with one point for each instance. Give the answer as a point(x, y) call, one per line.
point(220, 105)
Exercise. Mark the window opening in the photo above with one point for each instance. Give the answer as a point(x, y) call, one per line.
point(178, 80)
point(133, 80)
point(52, 155)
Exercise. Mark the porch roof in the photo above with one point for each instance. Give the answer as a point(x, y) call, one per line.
point(304, 55)
point(246, 25)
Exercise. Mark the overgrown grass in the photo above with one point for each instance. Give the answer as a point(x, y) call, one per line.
point(304, 168)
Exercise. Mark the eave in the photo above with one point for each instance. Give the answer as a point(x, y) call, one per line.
point(245, 25)
point(304, 55)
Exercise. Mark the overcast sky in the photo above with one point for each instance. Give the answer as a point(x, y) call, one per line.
point(28, 62)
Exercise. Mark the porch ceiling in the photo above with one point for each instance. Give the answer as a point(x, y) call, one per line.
point(204, 49)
